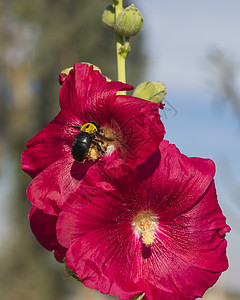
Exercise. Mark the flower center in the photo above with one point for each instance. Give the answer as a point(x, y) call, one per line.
point(103, 144)
point(144, 226)
point(109, 139)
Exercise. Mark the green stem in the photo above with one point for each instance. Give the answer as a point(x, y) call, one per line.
point(121, 59)
point(127, 45)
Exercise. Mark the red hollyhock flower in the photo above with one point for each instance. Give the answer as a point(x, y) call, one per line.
point(130, 127)
point(162, 235)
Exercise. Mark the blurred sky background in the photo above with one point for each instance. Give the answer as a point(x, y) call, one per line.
point(178, 37)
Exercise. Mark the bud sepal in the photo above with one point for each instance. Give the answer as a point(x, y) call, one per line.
point(151, 91)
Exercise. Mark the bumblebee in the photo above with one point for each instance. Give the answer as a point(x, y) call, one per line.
point(86, 139)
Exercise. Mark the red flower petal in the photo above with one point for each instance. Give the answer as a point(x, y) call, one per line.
point(48, 191)
point(101, 264)
point(61, 78)
point(140, 126)
point(200, 230)
point(44, 228)
point(178, 181)
point(50, 144)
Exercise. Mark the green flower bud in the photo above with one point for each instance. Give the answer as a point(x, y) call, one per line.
point(129, 22)
point(109, 17)
point(151, 91)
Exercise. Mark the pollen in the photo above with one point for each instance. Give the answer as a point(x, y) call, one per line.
point(144, 226)
point(93, 153)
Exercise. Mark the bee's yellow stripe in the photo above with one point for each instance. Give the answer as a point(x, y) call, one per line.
point(89, 128)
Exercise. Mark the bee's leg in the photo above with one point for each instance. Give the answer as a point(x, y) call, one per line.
point(103, 144)
point(100, 150)
point(99, 141)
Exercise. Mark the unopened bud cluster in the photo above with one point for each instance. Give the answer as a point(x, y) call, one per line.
point(127, 23)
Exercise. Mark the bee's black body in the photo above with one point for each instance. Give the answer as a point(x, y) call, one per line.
point(81, 145)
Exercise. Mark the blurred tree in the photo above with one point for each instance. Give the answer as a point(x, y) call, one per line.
point(224, 75)
point(38, 40)
point(224, 70)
